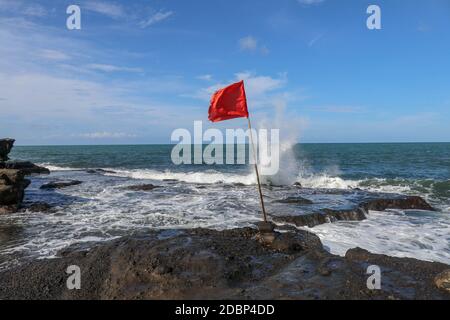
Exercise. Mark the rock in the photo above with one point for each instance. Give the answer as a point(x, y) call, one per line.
point(60, 184)
point(12, 189)
point(442, 280)
point(209, 264)
point(355, 212)
point(141, 187)
point(298, 185)
point(100, 171)
point(12, 181)
point(399, 202)
point(37, 207)
point(5, 147)
point(265, 226)
point(238, 184)
point(324, 216)
point(8, 209)
point(28, 168)
point(295, 200)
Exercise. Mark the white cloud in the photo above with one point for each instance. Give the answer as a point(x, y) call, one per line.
point(264, 50)
point(53, 55)
point(105, 135)
point(155, 18)
point(23, 8)
point(111, 68)
point(248, 43)
point(309, 2)
point(108, 9)
point(258, 85)
point(258, 88)
point(338, 109)
point(206, 77)
point(35, 10)
point(313, 41)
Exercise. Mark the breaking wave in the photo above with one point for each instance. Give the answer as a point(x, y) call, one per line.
point(200, 177)
point(437, 192)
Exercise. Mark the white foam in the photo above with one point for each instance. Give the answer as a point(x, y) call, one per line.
point(419, 235)
point(204, 177)
point(53, 167)
point(327, 182)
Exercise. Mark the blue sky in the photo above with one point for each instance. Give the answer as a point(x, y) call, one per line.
point(139, 69)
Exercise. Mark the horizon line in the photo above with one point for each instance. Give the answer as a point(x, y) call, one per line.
point(165, 144)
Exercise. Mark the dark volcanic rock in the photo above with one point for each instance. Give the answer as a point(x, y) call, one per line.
point(442, 280)
point(60, 184)
point(141, 187)
point(37, 207)
point(324, 216)
point(100, 171)
point(230, 264)
point(5, 147)
point(295, 200)
point(356, 212)
point(28, 168)
point(400, 202)
point(12, 181)
point(12, 189)
point(403, 272)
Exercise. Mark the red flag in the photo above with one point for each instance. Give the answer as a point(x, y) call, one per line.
point(228, 103)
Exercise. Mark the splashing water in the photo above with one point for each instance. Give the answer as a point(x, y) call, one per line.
point(289, 166)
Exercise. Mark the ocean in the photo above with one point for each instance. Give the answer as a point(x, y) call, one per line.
point(225, 196)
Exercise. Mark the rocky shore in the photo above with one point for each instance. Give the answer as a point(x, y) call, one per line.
point(211, 264)
point(12, 178)
point(231, 264)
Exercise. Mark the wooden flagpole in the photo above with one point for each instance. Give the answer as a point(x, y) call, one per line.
point(256, 170)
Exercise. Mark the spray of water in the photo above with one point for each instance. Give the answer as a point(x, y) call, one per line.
point(290, 129)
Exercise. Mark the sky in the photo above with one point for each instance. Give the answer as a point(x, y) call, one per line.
point(137, 70)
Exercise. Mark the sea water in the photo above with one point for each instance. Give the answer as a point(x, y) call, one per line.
point(225, 196)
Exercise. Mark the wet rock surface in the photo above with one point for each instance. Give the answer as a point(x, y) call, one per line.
point(5, 147)
point(333, 205)
point(442, 280)
point(12, 190)
point(141, 187)
point(60, 184)
point(36, 207)
point(28, 168)
point(231, 264)
point(295, 200)
point(100, 171)
point(12, 178)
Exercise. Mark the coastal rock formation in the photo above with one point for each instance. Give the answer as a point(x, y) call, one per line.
point(230, 264)
point(402, 202)
point(356, 212)
point(60, 184)
point(141, 187)
point(5, 147)
point(442, 280)
point(100, 171)
point(324, 216)
point(28, 168)
point(12, 181)
point(12, 189)
point(295, 200)
point(36, 207)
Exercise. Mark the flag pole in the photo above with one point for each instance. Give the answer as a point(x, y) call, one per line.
point(256, 170)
